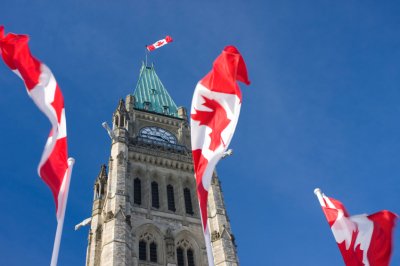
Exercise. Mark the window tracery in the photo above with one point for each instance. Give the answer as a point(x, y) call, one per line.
point(184, 253)
point(148, 248)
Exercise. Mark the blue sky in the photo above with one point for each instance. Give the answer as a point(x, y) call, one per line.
point(322, 111)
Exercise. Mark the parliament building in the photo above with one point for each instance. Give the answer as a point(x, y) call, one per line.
point(145, 207)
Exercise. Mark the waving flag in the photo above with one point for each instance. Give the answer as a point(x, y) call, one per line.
point(362, 239)
point(159, 43)
point(54, 167)
point(214, 115)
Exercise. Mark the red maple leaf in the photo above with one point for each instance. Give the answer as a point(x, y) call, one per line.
point(216, 119)
point(159, 43)
point(354, 255)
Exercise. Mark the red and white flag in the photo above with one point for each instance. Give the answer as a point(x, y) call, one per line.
point(362, 239)
point(54, 167)
point(158, 44)
point(214, 114)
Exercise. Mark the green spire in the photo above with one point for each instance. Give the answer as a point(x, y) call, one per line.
point(151, 95)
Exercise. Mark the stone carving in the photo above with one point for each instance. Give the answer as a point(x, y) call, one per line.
point(109, 216)
point(215, 235)
point(169, 242)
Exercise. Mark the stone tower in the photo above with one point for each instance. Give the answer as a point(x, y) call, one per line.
point(145, 208)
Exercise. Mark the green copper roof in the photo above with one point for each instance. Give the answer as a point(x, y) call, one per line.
point(151, 95)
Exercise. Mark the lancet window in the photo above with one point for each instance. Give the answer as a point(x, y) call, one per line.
point(188, 201)
point(137, 191)
point(153, 252)
point(171, 198)
point(155, 200)
point(142, 250)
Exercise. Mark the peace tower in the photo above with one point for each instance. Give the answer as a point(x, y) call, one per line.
point(145, 207)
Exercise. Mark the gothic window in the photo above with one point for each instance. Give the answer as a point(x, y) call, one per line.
point(171, 198)
point(148, 248)
point(155, 202)
point(153, 252)
point(184, 253)
point(188, 201)
point(121, 121)
point(142, 250)
point(97, 192)
point(190, 258)
point(116, 120)
point(137, 191)
point(180, 258)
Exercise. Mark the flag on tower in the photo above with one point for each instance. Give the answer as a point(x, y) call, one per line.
point(54, 167)
point(158, 44)
point(214, 114)
point(362, 239)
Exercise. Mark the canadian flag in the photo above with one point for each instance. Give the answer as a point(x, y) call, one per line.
point(214, 114)
point(158, 44)
point(362, 239)
point(54, 167)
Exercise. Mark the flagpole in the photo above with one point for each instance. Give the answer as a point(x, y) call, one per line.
point(318, 193)
point(145, 51)
point(207, 237)
point(61, 214)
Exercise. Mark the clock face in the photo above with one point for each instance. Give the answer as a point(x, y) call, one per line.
point(159, 134)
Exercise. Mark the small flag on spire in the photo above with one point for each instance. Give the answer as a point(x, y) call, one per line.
point(158, 44)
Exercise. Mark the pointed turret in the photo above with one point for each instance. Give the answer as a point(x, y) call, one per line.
point(151, 95)
point(101, 183)
point(121, 116)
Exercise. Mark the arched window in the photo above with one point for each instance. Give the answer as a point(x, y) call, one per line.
point(153, 252)
point(180, 258)
point(116, 120)
point(142, 250)
point(96, 192)
point(185, 253)
point(121, 121)
point(188, 201)
point(137, 191)
point(155, 201)
point(148, 248)
point(171, 198)
point(190, 258)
